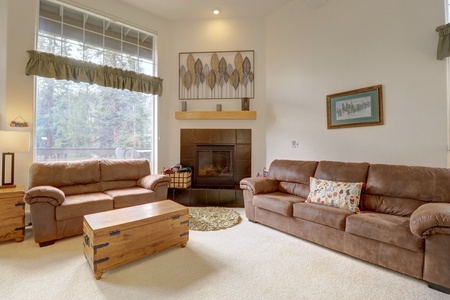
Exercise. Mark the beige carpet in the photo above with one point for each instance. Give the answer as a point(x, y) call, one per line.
point(247, 261)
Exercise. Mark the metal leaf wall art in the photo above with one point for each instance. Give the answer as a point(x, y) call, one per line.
point(216, 75)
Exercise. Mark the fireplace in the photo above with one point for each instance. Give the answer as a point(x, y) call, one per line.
point(214, 166)
point(219, 159)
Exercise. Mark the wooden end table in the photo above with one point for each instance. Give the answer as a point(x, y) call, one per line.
point(12, 214)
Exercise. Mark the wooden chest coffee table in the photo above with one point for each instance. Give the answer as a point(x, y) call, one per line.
point(119, 236)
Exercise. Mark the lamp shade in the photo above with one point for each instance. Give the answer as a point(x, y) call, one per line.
point(13, 141)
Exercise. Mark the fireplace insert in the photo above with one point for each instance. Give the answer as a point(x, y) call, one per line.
point(214, 166)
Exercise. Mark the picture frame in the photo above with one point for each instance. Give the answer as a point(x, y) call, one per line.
point(216, 75)
point(360, 107)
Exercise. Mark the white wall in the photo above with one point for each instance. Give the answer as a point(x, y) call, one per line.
point(3, 36)
point(17, 99)
point(349, 44)
point(302, 54)
point(214, 35)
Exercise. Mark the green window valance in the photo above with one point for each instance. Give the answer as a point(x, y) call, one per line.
point(65, 68)
point(443, 49)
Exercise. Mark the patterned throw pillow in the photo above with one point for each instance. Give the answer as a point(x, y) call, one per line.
point(344, 195)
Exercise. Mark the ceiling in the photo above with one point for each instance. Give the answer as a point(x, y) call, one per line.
point(175, 10)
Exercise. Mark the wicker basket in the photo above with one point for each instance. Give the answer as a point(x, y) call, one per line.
point(180, 180)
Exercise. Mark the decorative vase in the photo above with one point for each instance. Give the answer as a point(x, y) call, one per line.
point(183, 106)
point(245, 103)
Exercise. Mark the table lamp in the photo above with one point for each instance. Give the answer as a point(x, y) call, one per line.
point(11, 142)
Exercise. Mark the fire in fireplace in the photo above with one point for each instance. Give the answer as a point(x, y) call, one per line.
point(214, 166)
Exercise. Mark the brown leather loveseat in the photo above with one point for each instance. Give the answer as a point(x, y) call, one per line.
point(61, 193)
point(402, 220)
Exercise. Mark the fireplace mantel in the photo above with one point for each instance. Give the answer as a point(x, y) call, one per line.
point(215, 115)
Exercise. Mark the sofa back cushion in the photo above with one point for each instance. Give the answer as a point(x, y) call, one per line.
point(116, 174)
point(72, 177)
point(342, 171)
point(293, 175)
point(400, 190)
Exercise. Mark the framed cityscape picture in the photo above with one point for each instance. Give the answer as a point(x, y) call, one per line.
point(361, 107)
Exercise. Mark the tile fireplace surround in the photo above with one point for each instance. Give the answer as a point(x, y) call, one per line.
point(241, 139)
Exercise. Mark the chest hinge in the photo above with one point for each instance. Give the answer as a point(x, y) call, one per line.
point(101, 260)
point(100, 246)
point(114, 232)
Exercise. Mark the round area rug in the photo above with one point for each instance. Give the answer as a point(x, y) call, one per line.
point(212, 218)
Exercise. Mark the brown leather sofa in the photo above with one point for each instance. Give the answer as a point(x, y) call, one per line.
point(61, 193)
point(404, 223)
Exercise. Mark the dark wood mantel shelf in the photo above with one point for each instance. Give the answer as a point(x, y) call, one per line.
point(215, 115)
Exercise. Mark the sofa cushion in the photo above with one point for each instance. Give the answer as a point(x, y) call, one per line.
point(118, 184)
point(325, 215)
point(131, 169)
point(64, 173)
point(77, 189)
point(292, 170)
point(344, 195)
point(83, 204)
point(277, 202)
point(131, 196)
point(342, 171)
point(293, 175)
point(389, 229)
point(400, 190)
point(293, 188)
point(390, 205)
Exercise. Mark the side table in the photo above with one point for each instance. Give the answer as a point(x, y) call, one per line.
point(12, 214)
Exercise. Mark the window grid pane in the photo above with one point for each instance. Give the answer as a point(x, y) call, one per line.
point(114, 30)
point(49, 26)
point(50, 10)
point(94, 24)
point(92, 30)
point(73, 17)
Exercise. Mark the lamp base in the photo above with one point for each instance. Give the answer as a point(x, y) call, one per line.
point(7, 159)
point(10, 186)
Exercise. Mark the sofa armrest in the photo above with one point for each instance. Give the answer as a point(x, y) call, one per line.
point(45, 194)
point(152, 181)
point(429, 219)
point(259, 185)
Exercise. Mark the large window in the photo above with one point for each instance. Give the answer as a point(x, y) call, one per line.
point(79, 120)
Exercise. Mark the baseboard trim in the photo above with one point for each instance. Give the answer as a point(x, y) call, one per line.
point(439, 288)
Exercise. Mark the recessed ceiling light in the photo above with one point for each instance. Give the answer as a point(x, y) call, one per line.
point(216, 12)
